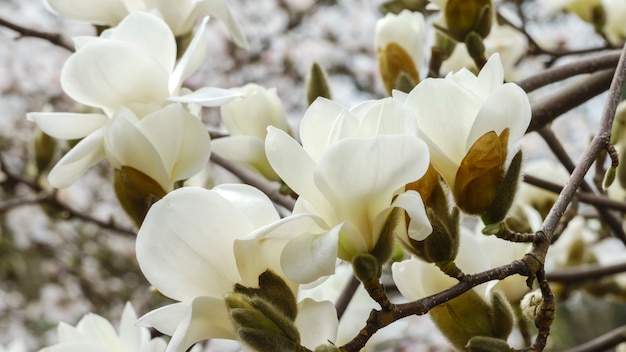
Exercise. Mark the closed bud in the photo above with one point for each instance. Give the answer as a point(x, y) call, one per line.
point(261, 325)
point(396, 223)
point(465, 16)
point(273, 289)
point(398, 40)
point(609, 177)
point(326, 348)
point(502, 317)
point(530, 304)
point(136, 192)
point(487, 344)
point(476, 48)
point(621, 168)
point(442, 245)
point(317, 84)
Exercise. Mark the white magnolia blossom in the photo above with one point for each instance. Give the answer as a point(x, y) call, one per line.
point(195, 244)
point(406, 34)
point(167, 145)
point(246, 119)
point(455, 111)
point(96, 334)
point(350, 166)
point(179, 15)
point(134, 65)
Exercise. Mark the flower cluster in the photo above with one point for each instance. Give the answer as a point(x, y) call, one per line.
point(364, 178)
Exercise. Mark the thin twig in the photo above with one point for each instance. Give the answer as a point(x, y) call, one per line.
point(346, 296)
point(53, 38)
point(604, 342)
point(248, 177)
point(586, 272)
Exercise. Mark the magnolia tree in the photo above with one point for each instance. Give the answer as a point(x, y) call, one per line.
point(417, 203)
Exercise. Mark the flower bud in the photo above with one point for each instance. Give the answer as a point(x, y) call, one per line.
point(45, 147)
point(317, 84)
point(505, 193)
point(136, 192)
point(443, 243)
point(465, 16)
point(398, 42)
point(274, 290)
point(366, 267)
point(502, 317)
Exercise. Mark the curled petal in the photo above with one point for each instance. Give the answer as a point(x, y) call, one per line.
point(219, 9)
point(191, 59)
point(84, 155)
point(310, 256)
point(419, 226)
point(208, 96)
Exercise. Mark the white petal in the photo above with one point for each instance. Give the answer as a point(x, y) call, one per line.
point(131, 336)
point(316, 129)
point(507, 107)
point(491, 75)
point(111, 74)
point(84, 155)
point(192, 229)
point(65, 125)
point(208, 96)
point(247, 150)
point(127, 145)
point(386, 116)
point(76, 347)
point(419, 227)
point(219, 9)
point(359, 177)
point(94, 11)
point(207, 318)
point(98, 330)
point(150, 33)
point(405, 276)
point(254, 204)
point(295, 167)
point(310, 256)
point(165, 319)
point(317, 323)
point(191, 59)
point(180, 139)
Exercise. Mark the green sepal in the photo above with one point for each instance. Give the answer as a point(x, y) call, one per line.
point(317, 84)
point(442, 245)
point(273, 289)
point(476, 48)
point(326, 348)
point(136, 192)
point(487, 344)
point(45, 147)
point(505, 193)
point(609, 177)
point(502, 315)
point(263, 342)
point(621, 169)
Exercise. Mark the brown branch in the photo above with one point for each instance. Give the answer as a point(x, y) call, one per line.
point(346, 296)
point(586, 272)
point(248, 177)
point(53, 38)
point(550, 106)
point(559, 73)
point(604, 342)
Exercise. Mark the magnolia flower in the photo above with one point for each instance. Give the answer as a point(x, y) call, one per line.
point(351, 165)
point(246, 119)
point(399, 41)
point(180, 15)
point(195, 244)
point(134, 65)
point(167, 145)
point(94, 333)
point(469, 123)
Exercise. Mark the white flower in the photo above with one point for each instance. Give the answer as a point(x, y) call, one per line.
point(134, 65)
point(351, 165)
point(168, 145)
point(179, 15)
point(456, 112)
point(399, 41)
point(246, 119)
point(94, 333)
point(194, 244)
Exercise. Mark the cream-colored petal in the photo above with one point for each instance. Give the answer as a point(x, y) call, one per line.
point(84, 155)
point(310, 256)
point(207, 96)
point(94, 11)
point(191, 59)
point(317, 323)
point(220, 9)
point(247, 150)
point(65, 125)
